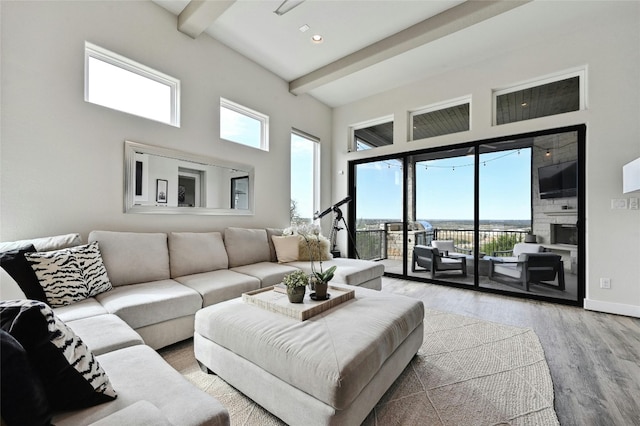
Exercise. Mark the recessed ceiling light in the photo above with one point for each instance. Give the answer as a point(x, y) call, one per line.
point(317, 38)
point(304, 28)
point(524, 104)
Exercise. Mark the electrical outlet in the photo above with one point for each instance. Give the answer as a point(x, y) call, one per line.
point(605, 282)
point(633, 203)
point(618, 204)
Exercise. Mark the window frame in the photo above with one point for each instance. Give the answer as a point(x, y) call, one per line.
point(316, 167)
point(581, 73)
point(263, 119)
point(96, 52)
point(437, 107)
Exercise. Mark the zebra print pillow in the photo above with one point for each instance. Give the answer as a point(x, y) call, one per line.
point(71, 375)
point(60, 276)
point(92, 267)
point(70, 275)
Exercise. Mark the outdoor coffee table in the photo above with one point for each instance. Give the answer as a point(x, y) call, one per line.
point(329, 369)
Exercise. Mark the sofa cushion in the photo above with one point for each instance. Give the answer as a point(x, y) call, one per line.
point(195, 252)
point(140, 374)
point(24, 401)
point(246, 246)
point(44, 243)
point(83, 309)
point(268, 273)
point(272, 249)
point(218, 286)
point(17, 266)
point(287, 247)
point(60, 276)
point(141, 413)
point(71, 376)
point(150, 303)
point(105, 333)
point(133, 257)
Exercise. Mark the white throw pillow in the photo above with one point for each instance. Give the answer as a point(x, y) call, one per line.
point(286, 248)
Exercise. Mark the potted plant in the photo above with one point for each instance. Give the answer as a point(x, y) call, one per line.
point(296, 283)
point(321, 280)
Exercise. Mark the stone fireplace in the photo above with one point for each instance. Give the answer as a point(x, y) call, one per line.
point(564, 234)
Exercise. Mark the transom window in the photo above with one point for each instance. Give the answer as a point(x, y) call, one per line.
point(242, 125)
point(372, 134)
point(541, 98)
point(119, 83)
point(440, 119)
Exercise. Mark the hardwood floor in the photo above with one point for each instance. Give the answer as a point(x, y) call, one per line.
point(594, 358)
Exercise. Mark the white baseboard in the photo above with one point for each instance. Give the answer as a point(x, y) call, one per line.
point(612, 308)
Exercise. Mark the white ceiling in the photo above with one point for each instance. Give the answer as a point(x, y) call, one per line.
point(446, 34)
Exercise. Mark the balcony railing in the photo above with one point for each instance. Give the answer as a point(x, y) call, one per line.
point(374, 244)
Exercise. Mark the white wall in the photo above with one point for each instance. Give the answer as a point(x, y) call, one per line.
point(62, 158)
point(609, 47)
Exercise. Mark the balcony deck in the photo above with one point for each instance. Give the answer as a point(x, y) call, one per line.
point(570, 293)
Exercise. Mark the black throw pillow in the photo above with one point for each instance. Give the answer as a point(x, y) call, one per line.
point(71, 375)
point(24, 401)
point(20, 269)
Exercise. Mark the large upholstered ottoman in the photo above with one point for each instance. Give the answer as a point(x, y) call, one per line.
point(331, 369)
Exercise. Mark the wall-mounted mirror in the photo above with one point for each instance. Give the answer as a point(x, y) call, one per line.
point(165, 181)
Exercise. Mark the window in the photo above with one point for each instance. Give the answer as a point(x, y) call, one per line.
point(116, 82)
point(305, 176)
point(242, 125)
point(441, 119)
point(541, 98)
point(372, 134)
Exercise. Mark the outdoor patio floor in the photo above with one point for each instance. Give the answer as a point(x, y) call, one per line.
point(570, 292)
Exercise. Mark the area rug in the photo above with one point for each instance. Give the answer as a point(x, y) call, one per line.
point(467, 372)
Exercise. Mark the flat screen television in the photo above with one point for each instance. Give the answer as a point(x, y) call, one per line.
point(558, 180)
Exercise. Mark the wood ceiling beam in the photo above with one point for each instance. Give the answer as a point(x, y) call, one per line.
point(200, 14)
point(448, 22)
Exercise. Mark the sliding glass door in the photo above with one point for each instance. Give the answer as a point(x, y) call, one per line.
point(501, 215)
point(443, 206)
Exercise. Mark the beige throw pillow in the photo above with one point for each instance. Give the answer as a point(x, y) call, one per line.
point(286, 248)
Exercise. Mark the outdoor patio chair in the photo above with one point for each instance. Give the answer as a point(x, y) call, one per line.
point(529, 268)
point(448, 247)
point(518, 249)
point(431, 259)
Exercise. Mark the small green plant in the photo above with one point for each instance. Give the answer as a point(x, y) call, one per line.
point(325, 276)
point(296, 279)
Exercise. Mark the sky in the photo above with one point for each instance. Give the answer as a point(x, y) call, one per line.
point(445, 188)
point(302, 159)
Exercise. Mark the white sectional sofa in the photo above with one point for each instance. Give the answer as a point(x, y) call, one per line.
point(160, 281)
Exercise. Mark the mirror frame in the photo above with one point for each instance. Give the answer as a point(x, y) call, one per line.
point(132, 148)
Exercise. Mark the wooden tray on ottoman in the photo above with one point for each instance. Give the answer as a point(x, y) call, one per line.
point(271, 300)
